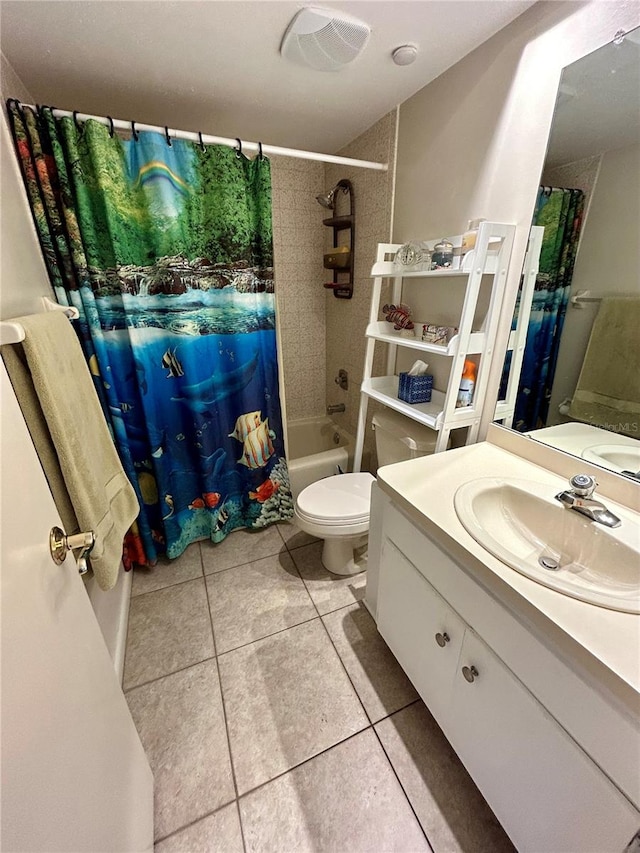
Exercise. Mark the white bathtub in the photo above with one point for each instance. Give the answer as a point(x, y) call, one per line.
point(316, 447)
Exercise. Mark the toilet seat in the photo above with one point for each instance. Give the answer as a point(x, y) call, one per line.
point(340, 501)
point(336, 510)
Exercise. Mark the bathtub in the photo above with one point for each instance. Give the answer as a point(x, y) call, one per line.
point(317, 446)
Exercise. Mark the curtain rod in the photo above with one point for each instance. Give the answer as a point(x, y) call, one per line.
point(205, 139)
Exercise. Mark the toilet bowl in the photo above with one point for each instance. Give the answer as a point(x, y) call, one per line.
point(336, 509)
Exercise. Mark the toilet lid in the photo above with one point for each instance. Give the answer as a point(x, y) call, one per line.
point(344, 498)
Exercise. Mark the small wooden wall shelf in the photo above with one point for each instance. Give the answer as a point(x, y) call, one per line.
point(342, 284)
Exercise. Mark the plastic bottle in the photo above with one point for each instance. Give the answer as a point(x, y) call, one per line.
point(470, 235)
point(467, 384)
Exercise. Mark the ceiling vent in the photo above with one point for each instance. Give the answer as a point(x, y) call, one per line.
point(324, 40)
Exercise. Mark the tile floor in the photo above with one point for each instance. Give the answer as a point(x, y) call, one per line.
point(275, 718)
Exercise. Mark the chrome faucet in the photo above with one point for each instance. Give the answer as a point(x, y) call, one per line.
point(579, 498)
point(336, 408)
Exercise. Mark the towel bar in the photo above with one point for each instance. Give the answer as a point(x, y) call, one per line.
point(12, 332)
point(582, 296)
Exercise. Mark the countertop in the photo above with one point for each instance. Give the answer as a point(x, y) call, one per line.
point(424, 489)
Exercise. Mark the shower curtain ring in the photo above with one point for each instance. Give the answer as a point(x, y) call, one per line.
point(166, 135)
point(111, 128)
point(239, 148)
point(76, 122)
point(134, 132)
point(202, 145)
point(260, 156)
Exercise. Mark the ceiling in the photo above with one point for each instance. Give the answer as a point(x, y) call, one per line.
point(214, 66)
point(598, 106)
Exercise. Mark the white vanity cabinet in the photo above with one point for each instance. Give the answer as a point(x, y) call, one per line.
point(544, 787)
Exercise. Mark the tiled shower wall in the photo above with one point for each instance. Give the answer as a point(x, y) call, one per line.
point(298, 240)
point(347, 318)
point(320, 334)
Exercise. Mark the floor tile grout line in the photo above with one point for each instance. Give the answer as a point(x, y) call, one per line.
point(239, 796)
point(303, 762)
point(219, 654)
point(266, 636)
point(168, 586)
point(353, 687)
point(295, 565)
point(167, 674)
point(196, 820)
point(226, 724)
point(402, 788)
point(239, 565)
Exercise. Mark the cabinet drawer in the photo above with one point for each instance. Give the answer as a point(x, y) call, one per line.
point(410, 615)
point(544, 789)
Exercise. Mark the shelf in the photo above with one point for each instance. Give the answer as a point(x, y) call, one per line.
point(503, 409)
point(382, 331)
point(384, 389)
point(388, 269)
point(339, 222)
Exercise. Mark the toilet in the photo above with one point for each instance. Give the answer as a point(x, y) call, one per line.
point(336, 509)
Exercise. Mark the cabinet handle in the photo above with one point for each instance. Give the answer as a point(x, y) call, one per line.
point(470, 673)
point(442, 639)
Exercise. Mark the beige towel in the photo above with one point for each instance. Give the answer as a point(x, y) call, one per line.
point(101, 495)
point(608, 390)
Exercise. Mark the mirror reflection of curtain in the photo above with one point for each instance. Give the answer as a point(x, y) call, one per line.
point(165, 249)
point(560, 212)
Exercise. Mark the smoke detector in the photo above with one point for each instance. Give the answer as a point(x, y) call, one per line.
point(405, 54)
point(325, 40)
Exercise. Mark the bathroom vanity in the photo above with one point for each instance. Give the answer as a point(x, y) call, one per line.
point(537, 692)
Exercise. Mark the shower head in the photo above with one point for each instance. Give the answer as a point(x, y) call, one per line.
point(328, 200)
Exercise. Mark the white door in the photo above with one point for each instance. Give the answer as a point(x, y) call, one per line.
point(74, 774)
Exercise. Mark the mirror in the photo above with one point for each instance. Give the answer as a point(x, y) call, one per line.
point(586, 375)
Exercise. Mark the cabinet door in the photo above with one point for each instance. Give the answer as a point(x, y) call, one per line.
point(420, 628)
point(544, 789)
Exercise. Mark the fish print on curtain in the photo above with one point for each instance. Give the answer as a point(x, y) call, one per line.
point(560, 212)
point(166, 251)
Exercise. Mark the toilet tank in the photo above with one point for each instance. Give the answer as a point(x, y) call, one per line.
point(399, 438)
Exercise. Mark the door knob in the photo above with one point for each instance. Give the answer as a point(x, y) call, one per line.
point(470, 673)
point(60, 543)
point(442, 639)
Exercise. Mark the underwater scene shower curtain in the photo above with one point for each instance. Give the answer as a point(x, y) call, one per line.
point(560, 212)
point(166, 251)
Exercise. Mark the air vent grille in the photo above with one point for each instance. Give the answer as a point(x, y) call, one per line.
point(324, 40)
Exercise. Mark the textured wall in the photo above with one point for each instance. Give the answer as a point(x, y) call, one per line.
point(298, 237)
point(347, 318)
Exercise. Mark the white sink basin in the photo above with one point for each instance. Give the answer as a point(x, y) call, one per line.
point(617, 457)
point(522, 524)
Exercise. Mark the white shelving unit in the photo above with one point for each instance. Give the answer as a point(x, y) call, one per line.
point(489, 258)
point(518, 339)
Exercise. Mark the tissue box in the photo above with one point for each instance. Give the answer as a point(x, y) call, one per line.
point(415, 389)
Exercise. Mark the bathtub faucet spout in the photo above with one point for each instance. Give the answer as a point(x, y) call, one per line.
point(336, 408)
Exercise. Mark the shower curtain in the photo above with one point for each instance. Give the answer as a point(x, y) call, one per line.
point(560, 212)
point(165, 248)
